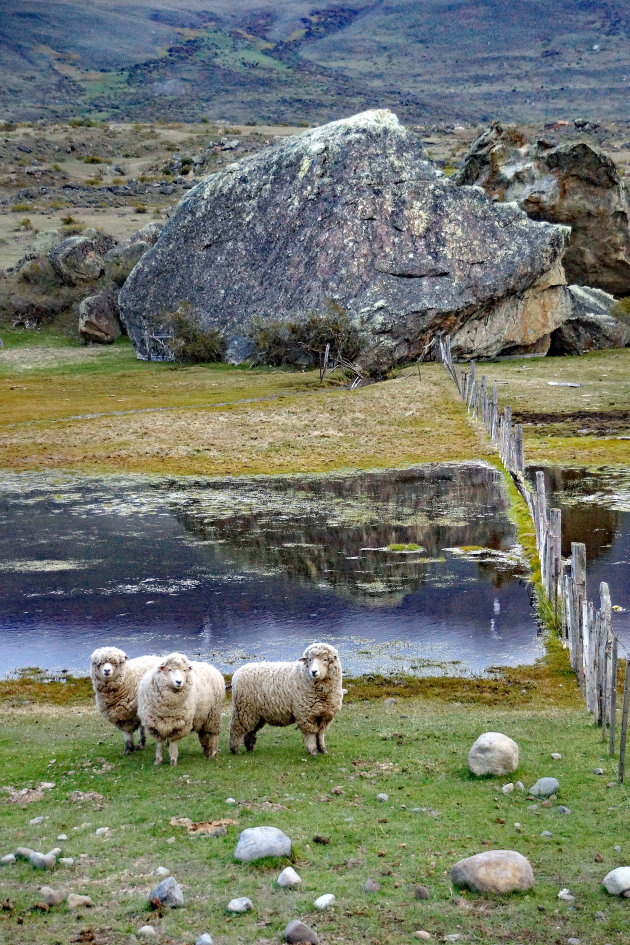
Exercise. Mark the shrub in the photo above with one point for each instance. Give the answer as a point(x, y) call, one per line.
point(621, 309)
point(21, 207)
point(139, 208)
point(303, 343)
point(93, 159)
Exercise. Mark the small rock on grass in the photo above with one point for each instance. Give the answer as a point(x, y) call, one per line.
point(8, 860)
point(162, 871)
point(324, 902)
point(297, 933)
point(242, 904)
point(544, 787)
point(382, 797)
point(288, 877)
point(169, 892)
point(75, 901)
point(147, 932)
point(617, 882)
point(371, 885)
point(42, 861)
point(562, 809)
point(65, 861)
point(421, 892)
point(205, 939)
point(495, 871)
point(423, 935)
point(52, 897)
point(23, 853)
point(255, 843)
point(556, 755)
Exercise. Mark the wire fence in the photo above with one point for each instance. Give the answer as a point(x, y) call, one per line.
point(586, 631)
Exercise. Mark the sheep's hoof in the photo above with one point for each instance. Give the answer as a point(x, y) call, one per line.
point(323, 751)
point(128, 750)
point(157, 763)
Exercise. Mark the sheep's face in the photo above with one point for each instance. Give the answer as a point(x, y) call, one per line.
point(175, 673)
point(319, 660)
point(107, 663)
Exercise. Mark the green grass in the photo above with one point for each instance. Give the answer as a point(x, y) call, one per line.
point(414, 750)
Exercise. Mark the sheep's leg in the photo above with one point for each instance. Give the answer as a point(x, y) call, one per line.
point(237, 731)
point(129, 746)
point(310, 742)
point(142, 738)
point(210, 743)
point(250, 737)
point(158, 752)
point(321, 742)
point(173, 750)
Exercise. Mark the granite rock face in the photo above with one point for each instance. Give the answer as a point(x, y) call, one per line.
point(99, 321)
point(350, 213)
point(591, 325)
point(576, 184)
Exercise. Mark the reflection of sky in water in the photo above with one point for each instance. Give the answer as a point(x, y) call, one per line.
point(236, 570)
point(596, 511)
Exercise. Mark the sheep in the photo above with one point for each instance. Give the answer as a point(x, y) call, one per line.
point(115, 679)
point(306, 691)
point(178, 697)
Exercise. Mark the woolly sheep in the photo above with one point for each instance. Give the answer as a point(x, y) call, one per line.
point(115, 679)
point(307, 692)
point(179, 697)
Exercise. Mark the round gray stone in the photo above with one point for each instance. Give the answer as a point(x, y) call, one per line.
point(205, 939)
point(288, 877)
point(495, 871)
point(544, 787)
point(43, 861)
point(324, 902)
point(255, 843)
point(8, 859)
point(493, 753)
point(297, 933)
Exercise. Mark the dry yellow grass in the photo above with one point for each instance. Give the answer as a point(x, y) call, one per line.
point(209, 422)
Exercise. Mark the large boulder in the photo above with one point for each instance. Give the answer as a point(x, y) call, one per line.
point(80, 258)
point(354, 215)
point(591, 325)
point(99, 321)
point(494, 871)
point(573, 183)
point(493, 753)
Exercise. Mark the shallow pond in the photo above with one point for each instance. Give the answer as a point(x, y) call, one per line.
point(409, 571)
point(596, 511)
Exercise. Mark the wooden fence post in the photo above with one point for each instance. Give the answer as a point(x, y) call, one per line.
point(613, 695)
point(624, 723)
point(578, 569)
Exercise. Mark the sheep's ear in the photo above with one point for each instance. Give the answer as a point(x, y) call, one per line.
point(189, 668)
point(126, 657)
point(302, 659)
point(161, 668)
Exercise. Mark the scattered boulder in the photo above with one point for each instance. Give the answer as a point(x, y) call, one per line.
point(43, 861)
point(371, 885)
point(8, 860)
point(242, 904)
point(575, 184)
point(147, 932)
point(421, 892)
point(288, 877)
point(324, 902)
point(75, 901)
point(352, 214)
point(43, 243)
point(297, 933)
point(52, 897)
point(80, 258)
point(493, 753)
point(99, 321)
point(255, 843)
point(169, 892)
point(544, 787)
point(495, 871)
point(591, 326)
point(617, 882)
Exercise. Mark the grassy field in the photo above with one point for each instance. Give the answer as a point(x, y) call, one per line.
point(413, 749)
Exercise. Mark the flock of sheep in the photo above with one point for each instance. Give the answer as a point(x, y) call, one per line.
point(170, 697)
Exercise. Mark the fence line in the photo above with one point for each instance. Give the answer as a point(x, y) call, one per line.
point(586, 631)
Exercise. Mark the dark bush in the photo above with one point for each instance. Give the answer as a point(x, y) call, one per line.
point(303, 343)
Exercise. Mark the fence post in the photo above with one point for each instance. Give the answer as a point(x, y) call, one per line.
point(624, 723)
point(613, 695)
point(578, 568)
point(555, 533)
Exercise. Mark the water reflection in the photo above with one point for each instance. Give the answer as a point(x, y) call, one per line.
point(398, 569)
point(595, 508)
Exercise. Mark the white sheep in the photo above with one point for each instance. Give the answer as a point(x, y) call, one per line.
point(306, 691)
point(115, 679)
point(178, 697)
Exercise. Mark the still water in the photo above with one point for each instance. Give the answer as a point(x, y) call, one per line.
point(596, 511)
point(415, 570)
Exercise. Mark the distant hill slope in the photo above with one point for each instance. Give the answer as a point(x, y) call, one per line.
point(284, 61)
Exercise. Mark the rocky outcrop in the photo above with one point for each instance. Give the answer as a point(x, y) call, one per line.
point(350, 213)
point(575, 184)
point(99, 321)
point(125, 255)
point(591, 325)
point(81, 258)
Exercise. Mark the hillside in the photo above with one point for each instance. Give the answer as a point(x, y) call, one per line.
point(251, 61)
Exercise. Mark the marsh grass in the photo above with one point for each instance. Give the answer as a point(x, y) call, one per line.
point(414, 750)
